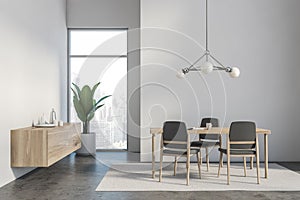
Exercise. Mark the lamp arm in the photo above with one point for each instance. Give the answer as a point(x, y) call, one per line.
point(197, 61)
point(195, 69)
point(215, 68)
point(218, 68)
point(218, 62)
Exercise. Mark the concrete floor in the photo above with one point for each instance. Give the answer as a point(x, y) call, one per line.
point(77, 178)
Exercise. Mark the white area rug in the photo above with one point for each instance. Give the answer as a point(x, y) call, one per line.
point(137, 177)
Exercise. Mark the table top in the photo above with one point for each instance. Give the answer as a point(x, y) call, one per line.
point(213, 130)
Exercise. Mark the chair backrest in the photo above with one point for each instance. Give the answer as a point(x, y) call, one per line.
point(174, 132)
point(215, 123)
point(242, 131)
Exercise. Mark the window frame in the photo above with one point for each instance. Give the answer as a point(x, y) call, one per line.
point(69, 56)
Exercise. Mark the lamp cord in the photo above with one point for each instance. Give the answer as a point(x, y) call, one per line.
point(206, 22)
point(206, 54)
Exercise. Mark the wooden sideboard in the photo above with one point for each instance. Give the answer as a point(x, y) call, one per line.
point(42, 147)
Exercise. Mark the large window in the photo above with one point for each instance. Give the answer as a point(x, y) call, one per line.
point(101, 55)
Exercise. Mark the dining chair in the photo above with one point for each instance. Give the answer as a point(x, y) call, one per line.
point(175, 142)
point(241, 142)
point(207, 140)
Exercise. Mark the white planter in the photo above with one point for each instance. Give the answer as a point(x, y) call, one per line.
point(88, 145)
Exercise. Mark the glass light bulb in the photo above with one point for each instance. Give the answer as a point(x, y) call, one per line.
point(235, 72)
point(207, 67)
point(180, 74)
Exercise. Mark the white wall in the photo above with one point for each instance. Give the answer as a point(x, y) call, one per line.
point(116, 14)
point(33, 68)
point(259, 36)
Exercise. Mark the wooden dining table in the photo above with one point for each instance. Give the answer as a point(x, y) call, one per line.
point(214, 130)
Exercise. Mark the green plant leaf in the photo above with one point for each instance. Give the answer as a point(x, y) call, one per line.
point(77, 88)
point(94, 88)
point(98, 107)
point(86, 99)
point(102, 99)
point(91, 116)
point(75, 94)
point(79, 110)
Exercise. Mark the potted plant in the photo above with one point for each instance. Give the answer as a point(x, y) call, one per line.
point(86, 106)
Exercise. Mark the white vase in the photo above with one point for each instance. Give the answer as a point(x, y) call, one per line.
point(88, 145)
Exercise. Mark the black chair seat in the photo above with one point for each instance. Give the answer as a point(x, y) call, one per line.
point(167, 151)
point(238, 151)
point(205, 143)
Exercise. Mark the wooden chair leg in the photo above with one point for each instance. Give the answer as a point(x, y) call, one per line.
point(199, 164)
point(220, 146)
point(201, 160)
point(220, 164)
point(160, 166)
point(257, 168)
point(245, 166)
point(222, 161)
point(188, 172)
point(175, 166)
point(228, 169)
point(207, 159)
point(251, 163)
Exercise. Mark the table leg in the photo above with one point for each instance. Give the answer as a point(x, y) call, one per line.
point(220, 140)
point(188, 162)
point(266, 155)
point(153, 156)
point(228, 160)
